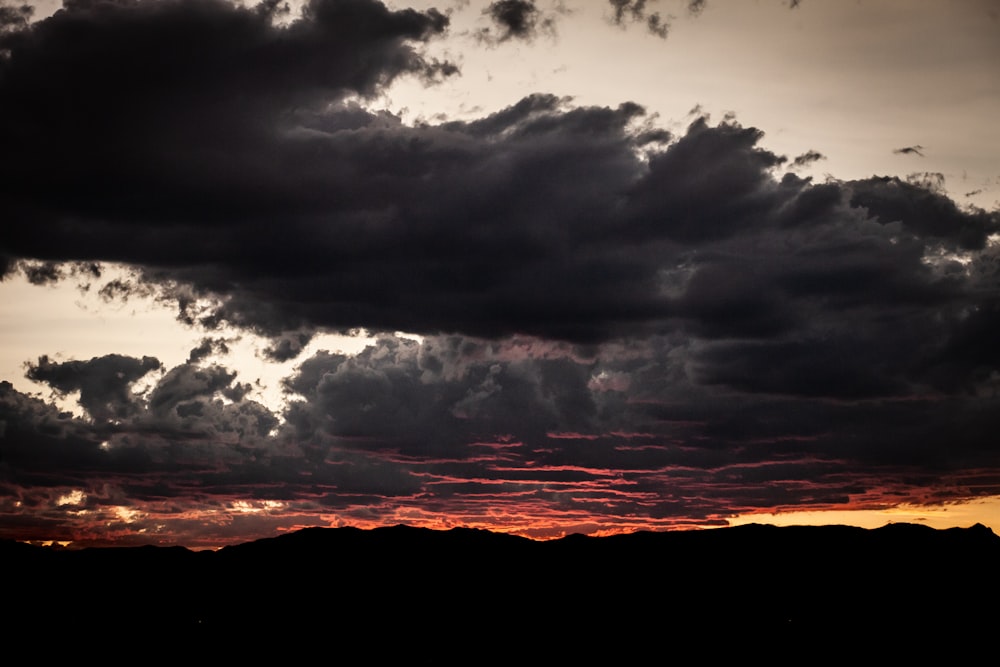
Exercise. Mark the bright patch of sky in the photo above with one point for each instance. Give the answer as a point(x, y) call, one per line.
point(80, 324)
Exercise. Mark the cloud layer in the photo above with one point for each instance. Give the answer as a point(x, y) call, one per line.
point(621, 327)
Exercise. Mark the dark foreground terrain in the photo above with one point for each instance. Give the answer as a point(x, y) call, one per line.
point(415, 596)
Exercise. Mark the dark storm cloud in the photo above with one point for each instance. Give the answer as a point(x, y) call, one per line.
point(196, 429)
point(838, 369)
point(543, 218)
point(186, 383)
point(408, 397)
point(555, 416)
point(925, 212)
point(617, 322)
point(104, 383)
point(182, 81)
point(465, 426)
point(183, 422)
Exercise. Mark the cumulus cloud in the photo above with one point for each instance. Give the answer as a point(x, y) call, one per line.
point(923, 211)
point(550, 433)
point(104, 383)
point(544, 218)
point(15, 17)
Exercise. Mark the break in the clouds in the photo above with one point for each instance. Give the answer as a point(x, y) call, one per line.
point(616, 326)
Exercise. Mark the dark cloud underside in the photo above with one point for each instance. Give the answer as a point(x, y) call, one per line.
point(231, 165)
point(462, 427)
point(620, 325)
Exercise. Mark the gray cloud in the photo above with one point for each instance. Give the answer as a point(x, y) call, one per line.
point(807, 158)
point(41, 273)
point(635, 11)
point(618, 430)
point(576, 223)
point(516, 19)
point(909, 150)
point(104, 383)
point(926, 213)
point(617, 322)
point(208, 347)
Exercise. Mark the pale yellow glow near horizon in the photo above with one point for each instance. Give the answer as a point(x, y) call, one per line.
point(958, 515)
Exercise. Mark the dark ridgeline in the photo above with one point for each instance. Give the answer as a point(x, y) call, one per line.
point(414, 595)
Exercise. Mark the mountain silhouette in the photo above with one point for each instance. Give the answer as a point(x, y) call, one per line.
point(421, 596)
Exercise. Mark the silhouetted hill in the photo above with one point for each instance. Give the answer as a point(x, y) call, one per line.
point(427, 596)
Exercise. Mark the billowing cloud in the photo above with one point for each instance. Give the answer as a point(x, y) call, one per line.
point(518, 434)
point(543, 219)
point(928, 215)
point(104, 383)
point(606, 324)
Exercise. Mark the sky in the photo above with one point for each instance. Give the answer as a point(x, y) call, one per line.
point(535, 267)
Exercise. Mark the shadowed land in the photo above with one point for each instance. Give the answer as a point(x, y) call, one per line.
point(427, 596)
